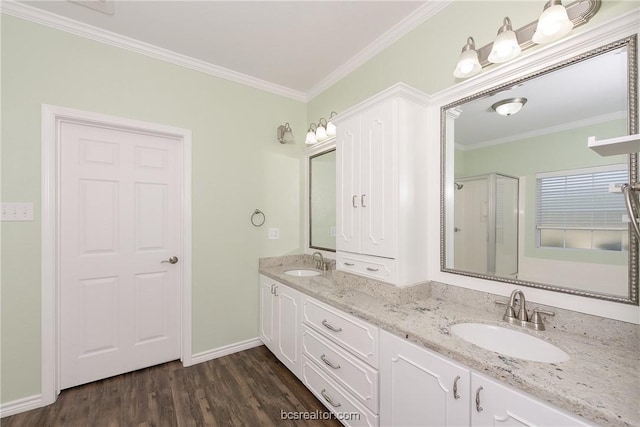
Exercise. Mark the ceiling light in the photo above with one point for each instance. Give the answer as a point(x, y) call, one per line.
point(510, 106)
point(553, 24)
point(468, 64)
point(285, 135)
point(505, 46)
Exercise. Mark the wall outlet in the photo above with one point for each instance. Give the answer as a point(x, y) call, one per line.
point(17, 211)
point(274, 233)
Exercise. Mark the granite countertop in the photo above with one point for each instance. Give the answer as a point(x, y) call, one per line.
point(600, 382)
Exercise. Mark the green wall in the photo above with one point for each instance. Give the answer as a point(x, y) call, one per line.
point(238, 166)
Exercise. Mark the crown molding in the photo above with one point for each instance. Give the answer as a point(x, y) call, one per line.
point(408, 24)
point(39, 16)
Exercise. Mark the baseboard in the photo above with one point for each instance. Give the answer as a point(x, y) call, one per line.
point(20, 405)
point(225, 350)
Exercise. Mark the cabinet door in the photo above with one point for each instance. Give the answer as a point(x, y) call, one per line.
point(378, 200)
point(288, 325)
point(495, 404)
point(348, 186)
point(417, 387)
point(267, 313)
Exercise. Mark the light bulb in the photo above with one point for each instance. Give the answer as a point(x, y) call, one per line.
point(321, 133)
point(468, 64)
point(311, 137)
point(331, 129)
point(553, 24)
point(505, 46)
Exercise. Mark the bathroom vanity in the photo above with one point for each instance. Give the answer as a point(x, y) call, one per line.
point(399, 363)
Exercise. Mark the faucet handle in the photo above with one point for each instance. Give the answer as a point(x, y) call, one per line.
point(536, 319)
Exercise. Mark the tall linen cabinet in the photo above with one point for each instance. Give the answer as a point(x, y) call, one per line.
point(381, 191)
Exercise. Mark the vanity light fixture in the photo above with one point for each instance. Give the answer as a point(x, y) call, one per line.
point(553, 24)
point(510, 106)
point(285, 134)
point(311, 135)
point(331, 128)
point(321, 131)
point(509, 43)
point(468, 64)
point(505, 46)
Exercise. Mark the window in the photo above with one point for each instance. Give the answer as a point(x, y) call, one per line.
point(575, 209)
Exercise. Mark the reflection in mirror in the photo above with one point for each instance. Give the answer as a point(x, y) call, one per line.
point(322, 201)
point(525, 200)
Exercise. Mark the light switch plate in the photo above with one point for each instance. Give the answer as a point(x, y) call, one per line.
point(17, 211)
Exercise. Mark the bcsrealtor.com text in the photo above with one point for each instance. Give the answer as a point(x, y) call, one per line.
point(319, 415)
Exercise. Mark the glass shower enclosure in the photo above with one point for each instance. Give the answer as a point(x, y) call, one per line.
point(486, 224)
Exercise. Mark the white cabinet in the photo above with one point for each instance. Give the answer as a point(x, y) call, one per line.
point(419, 387)
point(280, 322)
point(495, 404)
point(381, 183)
point(340, 361)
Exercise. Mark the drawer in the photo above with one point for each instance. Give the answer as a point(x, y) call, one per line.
point(382, 269)
point(346, 408)
point(356, 376)
point(355, 335)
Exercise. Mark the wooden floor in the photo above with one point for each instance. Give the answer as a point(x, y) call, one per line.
point(249, 388)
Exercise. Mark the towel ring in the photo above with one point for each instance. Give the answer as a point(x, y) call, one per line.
point(253, 218)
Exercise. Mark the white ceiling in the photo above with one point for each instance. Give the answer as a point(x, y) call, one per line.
point(584, 93)
point(295, 44)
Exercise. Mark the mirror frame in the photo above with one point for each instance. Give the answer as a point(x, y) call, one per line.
point(632, 73)
point(311, 152)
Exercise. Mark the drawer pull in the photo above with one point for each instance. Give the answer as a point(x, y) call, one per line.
point(330, 326)
point(478, 407)
point(455, 388)
point(328, 399)
point(349, 264)
point(329, 363)
point(372, 269)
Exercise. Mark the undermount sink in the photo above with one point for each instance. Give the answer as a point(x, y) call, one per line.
point(302, 273)
point(509, 342)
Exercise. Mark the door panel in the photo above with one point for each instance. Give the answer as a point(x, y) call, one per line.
point(378, 185)
point(120, 217)
point(348, 191)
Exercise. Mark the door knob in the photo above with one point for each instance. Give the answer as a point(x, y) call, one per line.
point(172, 260)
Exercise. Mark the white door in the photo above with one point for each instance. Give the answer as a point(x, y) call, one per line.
point(288, 320)
point(120, 210)
point(348, 186)
point(419, 388)
point(378, 181)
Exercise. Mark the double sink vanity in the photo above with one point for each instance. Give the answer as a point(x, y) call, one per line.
point(406, 356)
point(524, 204)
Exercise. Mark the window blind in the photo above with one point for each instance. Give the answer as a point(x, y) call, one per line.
point(581, 201)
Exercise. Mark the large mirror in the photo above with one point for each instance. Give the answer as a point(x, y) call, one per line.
point(322, 200)
point(524, 200)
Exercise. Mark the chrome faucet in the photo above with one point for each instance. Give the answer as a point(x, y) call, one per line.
point(521, 317)
point(320, 264)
